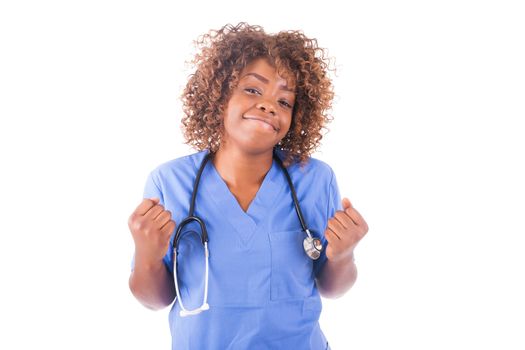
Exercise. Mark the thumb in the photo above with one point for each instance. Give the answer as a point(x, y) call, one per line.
point(346, 203)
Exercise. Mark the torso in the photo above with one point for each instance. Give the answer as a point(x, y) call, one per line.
point(258, 270)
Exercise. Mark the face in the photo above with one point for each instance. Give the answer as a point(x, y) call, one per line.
point(259, 112)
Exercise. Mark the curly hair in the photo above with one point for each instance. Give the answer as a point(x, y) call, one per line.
point(223, 55)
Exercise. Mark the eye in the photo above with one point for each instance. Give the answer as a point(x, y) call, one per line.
point(252, 91)
point(285, 104)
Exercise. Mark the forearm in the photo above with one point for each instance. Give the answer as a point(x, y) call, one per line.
point(337, 277)
point(152, 284)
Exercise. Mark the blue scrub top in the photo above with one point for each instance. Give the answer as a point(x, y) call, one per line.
point(262, 293)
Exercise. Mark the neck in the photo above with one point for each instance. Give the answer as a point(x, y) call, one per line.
point(238, 168)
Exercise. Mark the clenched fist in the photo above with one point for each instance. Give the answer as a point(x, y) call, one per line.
point(151, 227)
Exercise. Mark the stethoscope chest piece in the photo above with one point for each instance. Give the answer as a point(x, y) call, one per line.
point(312, 247)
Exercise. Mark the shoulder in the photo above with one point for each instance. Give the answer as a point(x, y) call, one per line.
point(179, 167)
point(312, 167)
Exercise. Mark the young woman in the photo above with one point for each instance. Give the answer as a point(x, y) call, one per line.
point(278, 234)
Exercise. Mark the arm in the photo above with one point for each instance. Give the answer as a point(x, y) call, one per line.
point(337, 277)
point(345, 229)
point(152, 284)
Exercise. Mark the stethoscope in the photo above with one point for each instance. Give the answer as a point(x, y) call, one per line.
point(312, 246)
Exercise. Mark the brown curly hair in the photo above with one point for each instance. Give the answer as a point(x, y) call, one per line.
point(223, 55)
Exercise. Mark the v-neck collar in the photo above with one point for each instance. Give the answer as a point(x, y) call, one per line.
point(245, 223)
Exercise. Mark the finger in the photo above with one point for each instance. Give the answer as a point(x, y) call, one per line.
point(168, 228)
point(346, 203)
point(163, 217)
point(145, 205)
point(330, 237)
point(362, 221)
point(343, 219)
point(336, 227)
point(331, 232)
point(353, 215)
point(154, 212)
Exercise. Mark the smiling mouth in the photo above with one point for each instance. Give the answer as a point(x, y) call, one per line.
point(262, 120)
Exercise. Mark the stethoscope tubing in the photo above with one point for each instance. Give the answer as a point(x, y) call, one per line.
point(312, 246)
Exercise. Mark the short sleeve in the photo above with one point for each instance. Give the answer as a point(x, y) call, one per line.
point(152, 190)
point(333, 205)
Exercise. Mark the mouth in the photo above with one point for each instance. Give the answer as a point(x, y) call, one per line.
point(263, 120)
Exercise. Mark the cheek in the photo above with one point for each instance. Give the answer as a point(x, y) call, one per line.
point(232, 110)
point(230, 122)
point(286, 126)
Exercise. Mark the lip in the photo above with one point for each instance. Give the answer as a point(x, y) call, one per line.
point(262, 119)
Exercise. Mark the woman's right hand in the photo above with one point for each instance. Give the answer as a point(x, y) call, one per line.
point(151, 227)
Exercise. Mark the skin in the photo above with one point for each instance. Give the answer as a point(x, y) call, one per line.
point(150, 281)
point(345, 229)
point(257, 116)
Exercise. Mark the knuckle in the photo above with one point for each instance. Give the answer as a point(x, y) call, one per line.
point(131, 220)
point(144, 225)
point(140, 225)
point(149, 200)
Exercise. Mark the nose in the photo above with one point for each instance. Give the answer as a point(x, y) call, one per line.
point(266, 107)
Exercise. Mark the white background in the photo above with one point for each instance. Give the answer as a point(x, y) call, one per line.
point(427, 142)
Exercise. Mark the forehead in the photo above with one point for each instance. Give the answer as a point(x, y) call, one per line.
point(261, 67)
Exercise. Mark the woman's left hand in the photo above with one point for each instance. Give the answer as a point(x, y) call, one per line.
point(345, 229)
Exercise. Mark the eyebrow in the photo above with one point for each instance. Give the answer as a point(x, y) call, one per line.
point(266, 81)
